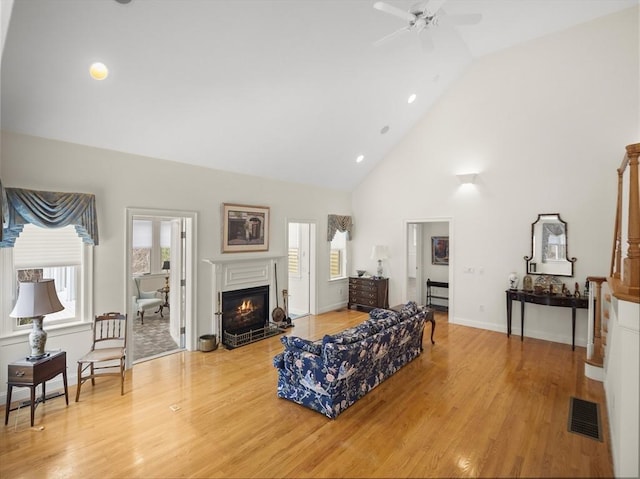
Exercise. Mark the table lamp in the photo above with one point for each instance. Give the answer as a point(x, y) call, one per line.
point(165, 267)
point(379, 252)
point(35, 300)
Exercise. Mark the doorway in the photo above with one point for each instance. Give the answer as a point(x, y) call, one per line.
point(420, 235)
point(160, 252)
point(301, 300)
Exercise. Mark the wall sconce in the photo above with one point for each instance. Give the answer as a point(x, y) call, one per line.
point(468, 178)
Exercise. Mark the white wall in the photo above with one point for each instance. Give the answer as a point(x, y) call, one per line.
point(119, 181)
point(545, 125)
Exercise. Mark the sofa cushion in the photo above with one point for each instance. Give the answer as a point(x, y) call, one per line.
point(408, 310)
point(380, 319)
point(351, 335)
point(303, 344)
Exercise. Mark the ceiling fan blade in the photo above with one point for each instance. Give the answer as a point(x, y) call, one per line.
point(432, 6)
point(385, 7)
point(460, 19)
point(386, 38)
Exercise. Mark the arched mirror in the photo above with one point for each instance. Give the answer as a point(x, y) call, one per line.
point(549, 252)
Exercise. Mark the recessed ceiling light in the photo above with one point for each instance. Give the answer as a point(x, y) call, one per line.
point(360, 158)
point(384, 129)
point(98, 71)
point(412, 98)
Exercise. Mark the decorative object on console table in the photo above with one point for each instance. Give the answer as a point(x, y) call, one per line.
point(368, 293)
point(35, 300)
point(527, 283)
point(380, 252)
point(245, 228)
point(440, 250)
point(513, 280)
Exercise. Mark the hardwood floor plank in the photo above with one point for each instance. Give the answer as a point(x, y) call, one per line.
point(475, 404)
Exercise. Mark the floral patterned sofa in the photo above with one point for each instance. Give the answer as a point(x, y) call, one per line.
point(331, 374)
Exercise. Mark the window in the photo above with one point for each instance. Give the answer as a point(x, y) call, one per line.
point(151, 245)
point(294, 250)
point(56, 253)
point(294, 261)
point(142, 245)
point(338, 256)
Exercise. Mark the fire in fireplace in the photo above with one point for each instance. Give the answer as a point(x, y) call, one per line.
point(245, 309)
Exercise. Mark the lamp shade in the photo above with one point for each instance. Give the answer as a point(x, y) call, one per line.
point(36, 299)
point(379, 252)
point(165, 265)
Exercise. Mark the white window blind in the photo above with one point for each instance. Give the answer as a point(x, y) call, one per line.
point(165, 234)
point(142, 233)
point(42, 247)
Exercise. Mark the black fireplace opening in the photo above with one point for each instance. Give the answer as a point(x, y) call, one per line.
point(245, 310)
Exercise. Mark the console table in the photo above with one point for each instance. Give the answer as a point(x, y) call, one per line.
point(546, 300)
point(29, 374)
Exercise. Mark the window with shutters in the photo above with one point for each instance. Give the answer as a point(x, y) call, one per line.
point(338, 256)
point(56, 253)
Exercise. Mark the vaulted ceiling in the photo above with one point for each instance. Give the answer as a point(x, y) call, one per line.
point(289, 89)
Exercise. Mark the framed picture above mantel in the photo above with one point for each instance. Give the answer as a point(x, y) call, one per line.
point(244, 228)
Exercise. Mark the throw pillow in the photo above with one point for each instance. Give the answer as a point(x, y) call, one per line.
point(351, 335)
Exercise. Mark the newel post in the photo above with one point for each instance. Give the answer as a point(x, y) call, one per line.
point(631, 271)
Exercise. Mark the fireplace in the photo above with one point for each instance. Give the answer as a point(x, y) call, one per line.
point(244, 310)
point(236, 282)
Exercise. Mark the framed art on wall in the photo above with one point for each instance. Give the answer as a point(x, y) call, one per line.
point(244, 228)
point(440, 250)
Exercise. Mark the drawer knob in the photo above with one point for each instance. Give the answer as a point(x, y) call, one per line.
point(19, 373)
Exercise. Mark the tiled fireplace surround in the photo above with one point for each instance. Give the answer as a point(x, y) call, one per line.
point(231, 274)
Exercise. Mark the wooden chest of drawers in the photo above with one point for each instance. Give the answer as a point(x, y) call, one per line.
point(368, 293)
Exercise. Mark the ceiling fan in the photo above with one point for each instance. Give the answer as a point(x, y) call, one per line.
point(424, 15)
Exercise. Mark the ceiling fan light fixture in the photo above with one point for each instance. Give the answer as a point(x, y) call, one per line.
point(98, 71)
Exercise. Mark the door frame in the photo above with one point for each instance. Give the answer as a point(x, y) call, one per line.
point(190, 253)
point(405, 235)
point(313, 292)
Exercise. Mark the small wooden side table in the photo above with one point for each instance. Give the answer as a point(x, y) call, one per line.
point(29, 374)
point(164, 290)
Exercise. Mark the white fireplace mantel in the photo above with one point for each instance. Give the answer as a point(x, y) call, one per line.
point(233, 273)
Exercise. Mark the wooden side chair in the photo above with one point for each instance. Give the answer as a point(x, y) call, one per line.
point(108, 351)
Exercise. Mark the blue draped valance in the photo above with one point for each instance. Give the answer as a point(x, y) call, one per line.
point(47, 209)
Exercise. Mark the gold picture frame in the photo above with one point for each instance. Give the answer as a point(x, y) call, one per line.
point(245, 228)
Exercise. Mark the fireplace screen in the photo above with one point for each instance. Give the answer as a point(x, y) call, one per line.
point(245, 309)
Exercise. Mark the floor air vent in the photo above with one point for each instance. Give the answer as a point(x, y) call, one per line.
point(584, 418)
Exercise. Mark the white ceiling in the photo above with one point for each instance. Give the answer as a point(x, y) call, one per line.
point(289, 89)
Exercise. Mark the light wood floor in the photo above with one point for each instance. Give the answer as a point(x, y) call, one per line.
point(475, 404)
